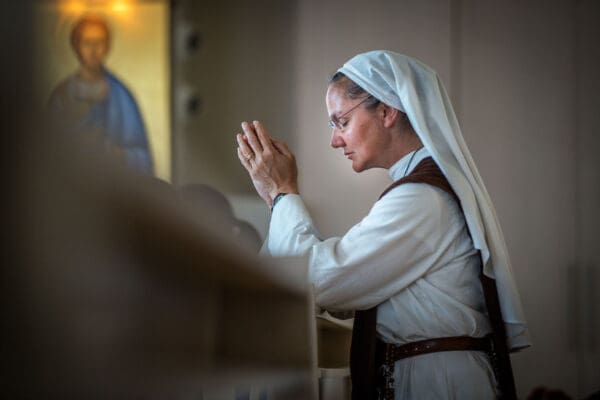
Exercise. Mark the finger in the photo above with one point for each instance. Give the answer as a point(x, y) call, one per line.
point(277, 145)
point(243, 160)
point(262, 134)
point(243, 145)
point(242, 142)
point(252, 139)
point(283, 148)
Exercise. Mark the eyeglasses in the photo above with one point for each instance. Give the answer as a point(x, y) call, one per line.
point(334, 122)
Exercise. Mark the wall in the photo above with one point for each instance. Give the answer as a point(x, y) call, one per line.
point(517, 97)
point(241, 69)
point(232, 62)
point(328, 34)
point(587, 195)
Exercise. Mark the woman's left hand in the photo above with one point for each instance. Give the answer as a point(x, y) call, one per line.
point(270, 163)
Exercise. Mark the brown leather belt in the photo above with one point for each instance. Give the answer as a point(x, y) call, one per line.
point(457, 343)
point(386, 354)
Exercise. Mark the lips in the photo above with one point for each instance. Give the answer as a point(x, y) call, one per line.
point(348, 154)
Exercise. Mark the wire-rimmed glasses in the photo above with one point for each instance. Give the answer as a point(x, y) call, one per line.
point(334, 122)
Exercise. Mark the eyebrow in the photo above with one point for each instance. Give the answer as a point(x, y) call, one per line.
point(331, 116)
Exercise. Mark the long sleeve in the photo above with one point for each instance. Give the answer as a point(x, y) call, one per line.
point(401, 239)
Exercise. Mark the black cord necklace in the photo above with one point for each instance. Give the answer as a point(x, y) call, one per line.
point(410, 161)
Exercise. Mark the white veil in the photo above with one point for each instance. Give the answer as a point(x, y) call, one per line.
point(414, 88)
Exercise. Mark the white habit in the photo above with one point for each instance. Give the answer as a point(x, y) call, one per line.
point(411, 255)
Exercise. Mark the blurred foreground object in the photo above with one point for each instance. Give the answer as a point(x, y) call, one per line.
point(334, 335)
point(116, 292)
point(212, 207)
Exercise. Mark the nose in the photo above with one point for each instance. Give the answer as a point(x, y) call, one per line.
point(336, 139)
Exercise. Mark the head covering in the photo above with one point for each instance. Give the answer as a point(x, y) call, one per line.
point(414, 88)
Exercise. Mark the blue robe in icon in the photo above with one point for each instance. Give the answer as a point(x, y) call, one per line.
point(106, 109)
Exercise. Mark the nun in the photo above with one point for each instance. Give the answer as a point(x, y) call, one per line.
point(427, 270)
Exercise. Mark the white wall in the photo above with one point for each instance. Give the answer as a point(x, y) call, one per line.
point(242, 70)
point(328, 34)
point(517, 101)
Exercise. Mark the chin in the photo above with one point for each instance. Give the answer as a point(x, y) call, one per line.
point(358, 167)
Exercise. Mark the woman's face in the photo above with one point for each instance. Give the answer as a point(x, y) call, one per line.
point(92, 46)
point(362, 138)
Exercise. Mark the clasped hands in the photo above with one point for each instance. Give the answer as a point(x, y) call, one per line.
point(270, 163)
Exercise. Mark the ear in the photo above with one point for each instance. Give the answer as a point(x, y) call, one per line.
point(390, 116)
